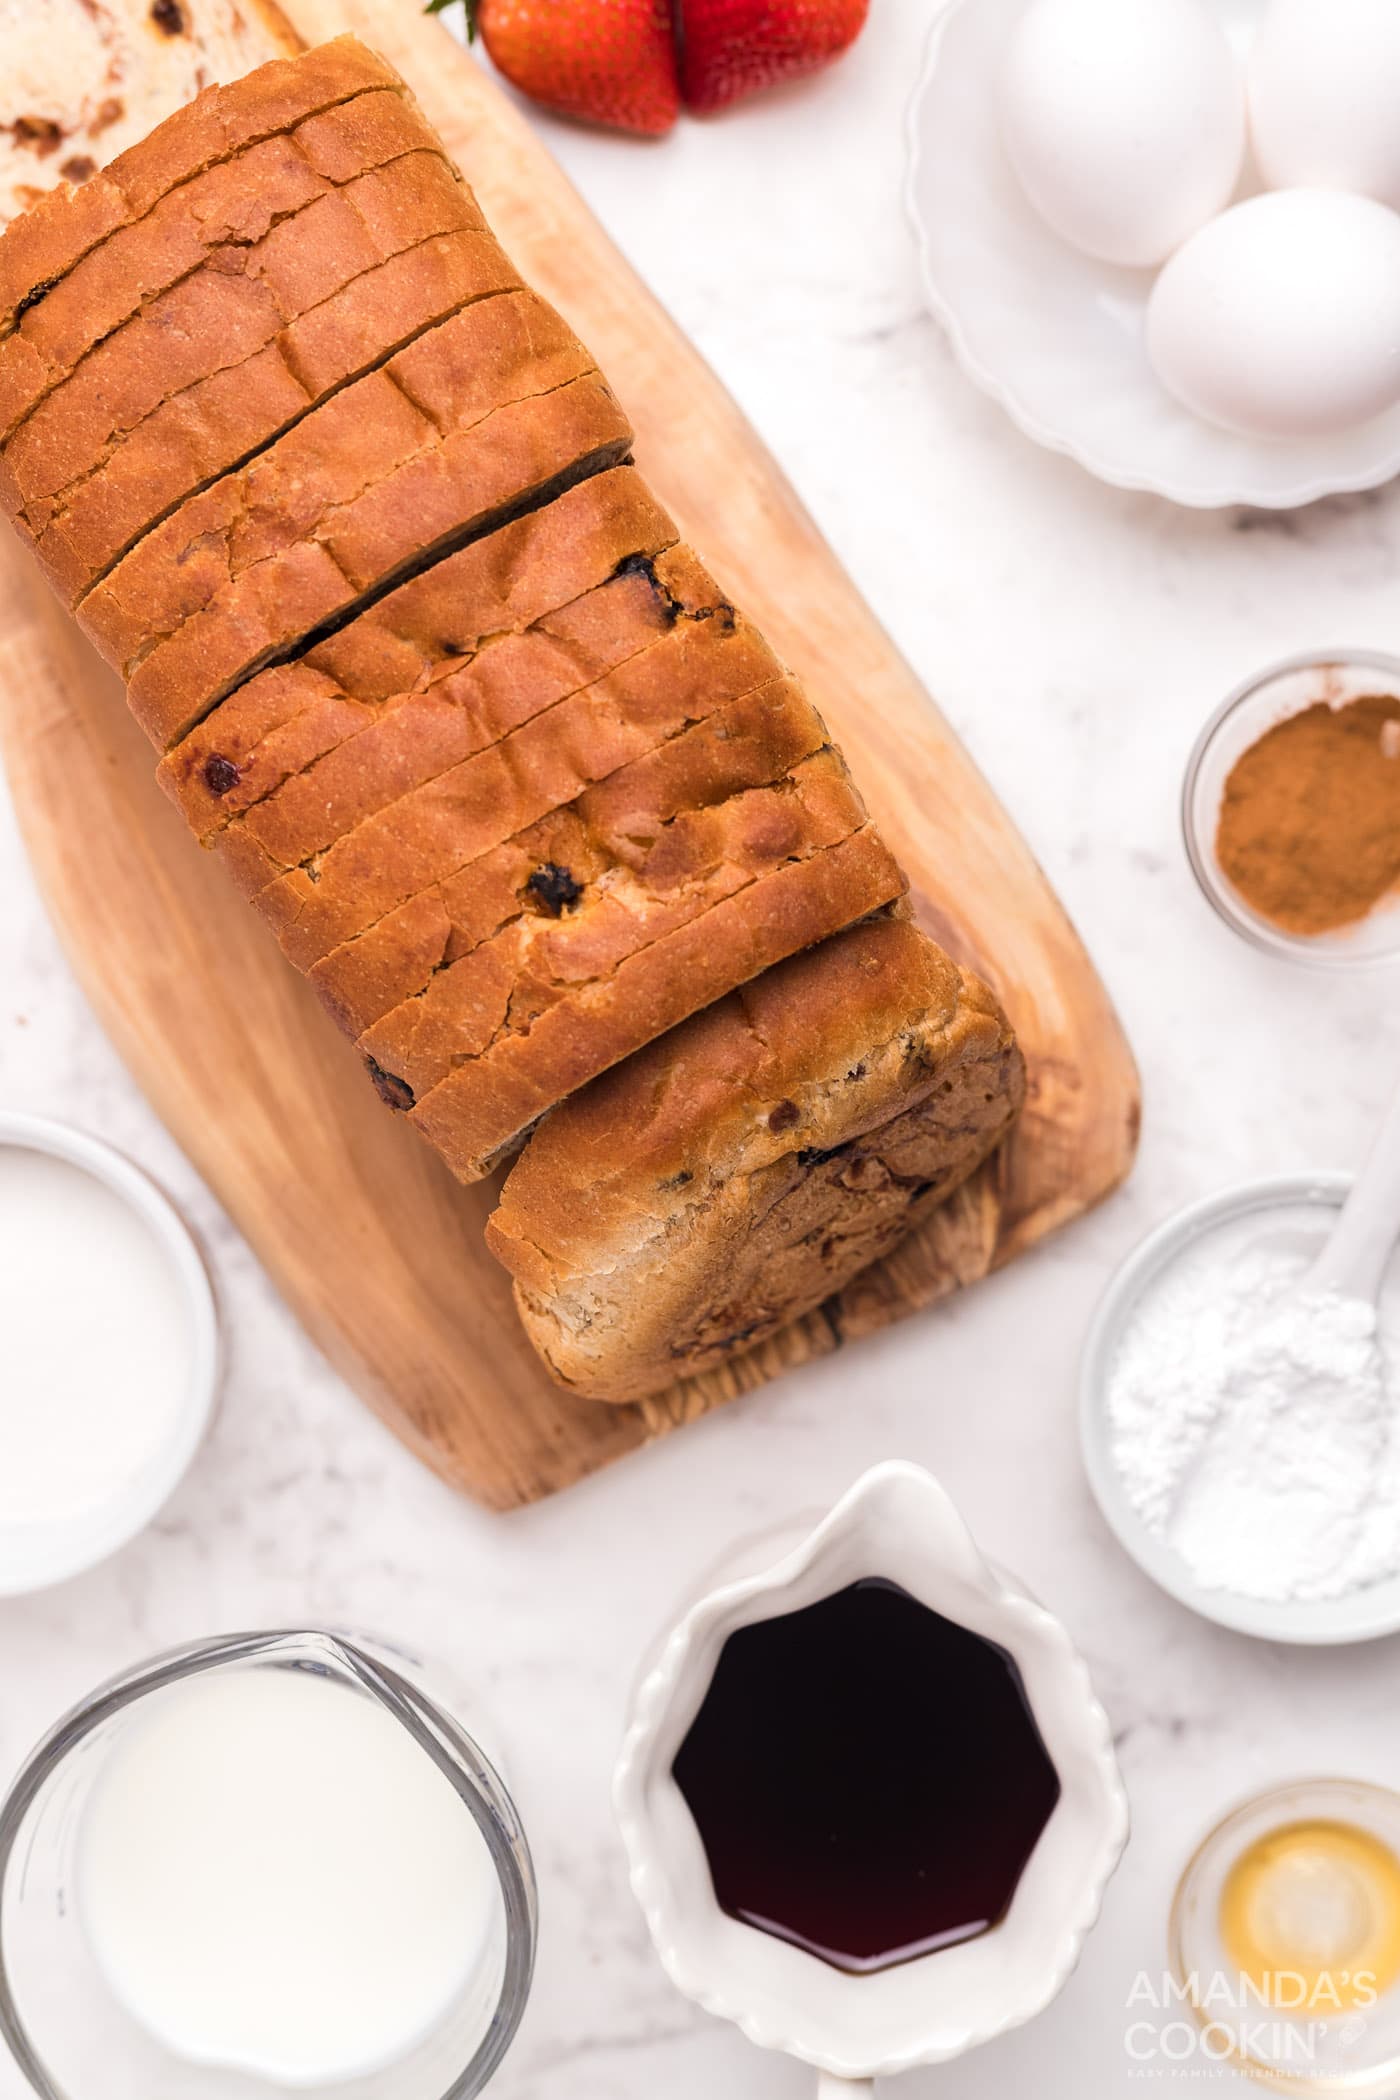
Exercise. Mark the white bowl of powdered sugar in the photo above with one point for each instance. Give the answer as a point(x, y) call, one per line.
point(1242, 1438)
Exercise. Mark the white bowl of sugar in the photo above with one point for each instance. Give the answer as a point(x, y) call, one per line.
point(110, 1352)
point(1263, 1492)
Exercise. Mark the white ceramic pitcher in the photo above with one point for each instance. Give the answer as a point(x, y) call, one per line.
point(898, 1523)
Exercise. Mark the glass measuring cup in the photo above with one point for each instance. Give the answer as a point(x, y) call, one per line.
point(68, 2032)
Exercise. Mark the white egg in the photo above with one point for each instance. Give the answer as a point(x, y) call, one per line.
point(1281, 319)
point(1324, 96)
point(1124, 120)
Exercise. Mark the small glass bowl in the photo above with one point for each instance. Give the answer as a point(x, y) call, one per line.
point(1251, 710)
point(1317, 2049)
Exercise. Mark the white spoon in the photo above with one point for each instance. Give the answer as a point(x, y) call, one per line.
point(1354, 1261)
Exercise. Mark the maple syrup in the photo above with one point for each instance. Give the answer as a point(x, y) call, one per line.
point(867, 1779)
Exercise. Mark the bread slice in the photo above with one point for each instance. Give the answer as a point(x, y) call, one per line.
point(305, 761)
point(491, 1101)
point(439, 833)
point(464, 487)
point(202, 431)
point(221, 314)
point(98, 106)
point(489, 355)
point(235, 205)
point(742, 1169)
point(573, 923)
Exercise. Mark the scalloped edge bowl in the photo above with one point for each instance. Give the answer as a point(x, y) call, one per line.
point(899, 1523)
point(1055, 338)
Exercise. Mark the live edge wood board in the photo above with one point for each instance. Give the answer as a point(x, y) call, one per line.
point(372, 1243)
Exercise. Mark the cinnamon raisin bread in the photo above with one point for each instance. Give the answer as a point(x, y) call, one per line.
point(278, 745)
point(235, 205)
point(222, 313)
point(548, 1047)
point(572, 923)
point(449, 384)
point(688, 701)
point(503, 910)
point(200, 431)
point(740, 1170)
point(298, 762)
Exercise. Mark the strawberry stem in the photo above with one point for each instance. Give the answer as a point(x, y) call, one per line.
point(438, 7)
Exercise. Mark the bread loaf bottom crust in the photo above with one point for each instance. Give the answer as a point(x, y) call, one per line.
point(489, 1104)
point(463, 489)
point(302, 762)
point(38, 249)
point(222, 313)
point(216, 425)
point(231, 207)
point(743, 1169)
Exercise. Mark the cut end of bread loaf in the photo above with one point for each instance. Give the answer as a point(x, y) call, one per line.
point(742, 1170)
point(97, 76)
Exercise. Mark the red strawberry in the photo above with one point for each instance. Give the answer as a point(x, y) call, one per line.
point(730, 48)
point(607, 61)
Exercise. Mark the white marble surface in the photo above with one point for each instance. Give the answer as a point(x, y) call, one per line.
point(1077, 637)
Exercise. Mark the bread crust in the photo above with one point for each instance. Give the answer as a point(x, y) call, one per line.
point(438, 834)
point(234, 205)
point(222, 313)
point(676, 699)
point(40, 247)
point(463, 488)
point(489, 1104)
point(432, 627)
point(308, 761)
point(202, 431)
point(487, 356)
point(544, 954)
point(741, 1170)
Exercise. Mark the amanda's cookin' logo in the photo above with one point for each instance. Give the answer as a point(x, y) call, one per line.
point(1198, 2025)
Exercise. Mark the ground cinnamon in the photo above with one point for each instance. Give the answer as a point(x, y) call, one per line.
point(1309, 828)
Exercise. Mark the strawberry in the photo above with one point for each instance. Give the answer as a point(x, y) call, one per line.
point(608, 62)
point(730, 48)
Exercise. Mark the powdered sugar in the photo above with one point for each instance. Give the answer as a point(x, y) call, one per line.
point(1256, 1429)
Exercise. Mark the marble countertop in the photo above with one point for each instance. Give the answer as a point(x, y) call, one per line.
point(1076, 636)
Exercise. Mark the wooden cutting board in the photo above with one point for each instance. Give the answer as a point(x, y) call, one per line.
point(375, 1247)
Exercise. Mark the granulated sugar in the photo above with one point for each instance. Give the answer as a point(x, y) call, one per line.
point(1257, 1430)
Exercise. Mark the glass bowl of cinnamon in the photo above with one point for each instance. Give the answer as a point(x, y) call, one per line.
point(1291, 809)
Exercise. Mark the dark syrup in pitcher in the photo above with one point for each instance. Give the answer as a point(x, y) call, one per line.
point(867, 1779)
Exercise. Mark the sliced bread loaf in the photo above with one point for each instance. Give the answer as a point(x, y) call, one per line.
point(574, 923)
point(235, 205)
point(491, 1101)
point(438, 832)
point(202, 431)
point(309, 761)
point(318, 895)
point(487, 356)
point(222, 313)
point(462, 488)
point(742, 1169)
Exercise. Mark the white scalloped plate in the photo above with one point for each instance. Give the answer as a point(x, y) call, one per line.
point(1057, 338)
